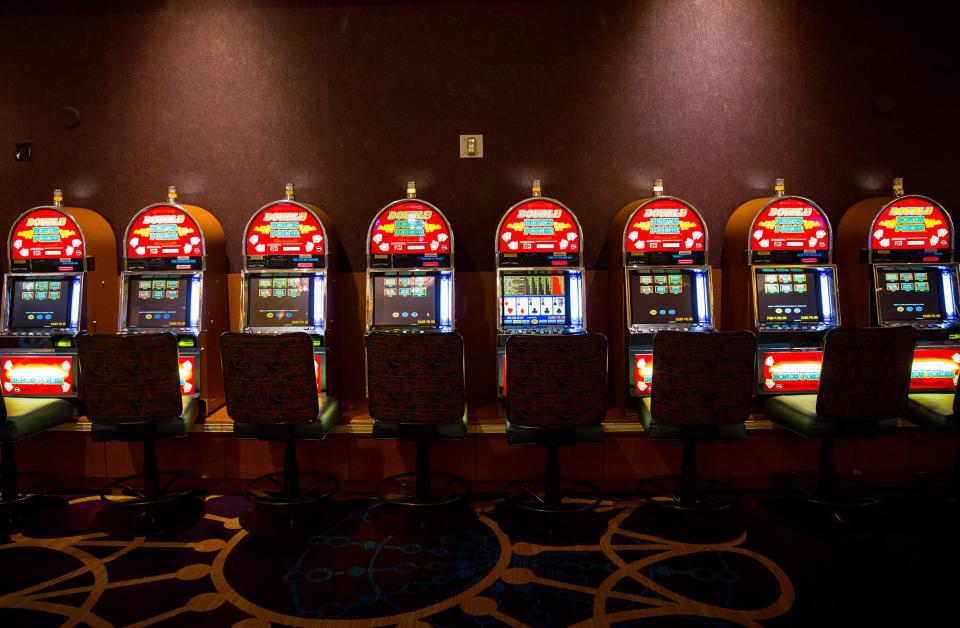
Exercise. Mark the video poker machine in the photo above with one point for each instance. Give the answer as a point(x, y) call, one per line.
point(779, 281)
point(539, 273)
point(895, 254)
point(410, 268)
point(286, 274)
point(659, 279)
point(61, 282)
point(174, 280)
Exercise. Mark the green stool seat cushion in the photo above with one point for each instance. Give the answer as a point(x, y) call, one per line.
point(27, 416)
point(141, 431)
point(419, 431)
point(523, 435)
point(799, 414)
point(934, 412)
point(663, 431)
point(309, 430)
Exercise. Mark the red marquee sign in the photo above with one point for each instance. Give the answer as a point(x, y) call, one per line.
point(48, 375)
point(935, 369)
point(164, 231)
point(539, 226)
point(790, 224)
point(285, 229)
point(643, 373)
point(911, 223)
point(46, 233)
point(410, 227)
point(791, 371)
point(665, 225)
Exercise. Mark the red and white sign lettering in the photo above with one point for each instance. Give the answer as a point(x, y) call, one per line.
point(539, 226)
point(50, 375)
point(911, 223)
point(665, 225)
point(790, 224)
point(410, 227)
point(46, 233)
point(285, 229)
point(164, 231)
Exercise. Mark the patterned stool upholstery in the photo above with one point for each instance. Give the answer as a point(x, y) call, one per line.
point(552, 407)
point(21, 418)
point(702, 392)
point(864, 382)
point(938, 413)
point(131, 389)
point(415, 386)
point(271, 390)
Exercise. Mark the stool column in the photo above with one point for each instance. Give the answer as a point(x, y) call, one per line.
point(291, 472)
point(423, 469)
point(151, 469)
point(551, 480)
point(8, 469)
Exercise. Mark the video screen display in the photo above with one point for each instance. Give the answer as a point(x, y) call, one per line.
point(40, 304)
point(274, 301)
point(661, 297)
point(788, 296)
point(910, 294)
point(405, 300)
point(535, 300)
point(158, 302)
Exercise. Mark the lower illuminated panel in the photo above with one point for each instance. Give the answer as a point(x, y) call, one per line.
point(933, 370)
point(790, 371)
point(38, 375)
point(188, 374)
point(642, 377)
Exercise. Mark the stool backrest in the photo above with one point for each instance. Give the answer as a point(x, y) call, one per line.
point(415, 378)
point(866, 373)
point(703, 378)
point(130, 379)
point(269, 378)
point(557, 381)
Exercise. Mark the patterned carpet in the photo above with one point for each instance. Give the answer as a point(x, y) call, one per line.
point(367, 565)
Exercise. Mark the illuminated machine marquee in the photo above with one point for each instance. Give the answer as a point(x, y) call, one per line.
point(665, 225)
point(285, 229)
point(790, 224)
point(539, 226)
point(46, 233)
point(910, 222)
point(410, 227)
point(791, 371)
point(799, 371)
point(164, 231)
point(37, 375)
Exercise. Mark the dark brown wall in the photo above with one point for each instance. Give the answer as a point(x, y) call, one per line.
point(229, 100)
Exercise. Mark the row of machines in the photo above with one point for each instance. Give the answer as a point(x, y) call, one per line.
point(780, 279)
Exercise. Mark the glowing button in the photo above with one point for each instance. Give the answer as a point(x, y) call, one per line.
point(653, 312)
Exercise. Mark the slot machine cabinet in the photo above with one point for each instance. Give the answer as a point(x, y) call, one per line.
point(659, 279)
point(895, 255)
point(539, 273)
point(174, 280)
point(62, 281)
point(286, 274)
point(410, 268)
point(780, 282)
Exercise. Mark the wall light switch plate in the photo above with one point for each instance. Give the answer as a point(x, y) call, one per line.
point(471, 146)
point(23, 151)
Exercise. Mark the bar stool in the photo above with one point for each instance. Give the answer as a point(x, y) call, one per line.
point(416, 390)
point(20, 418)
point(550, 406)
point(271, 390)
point(702, 392)
point(864, 382)
point(938, 413)
point(131, 388)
